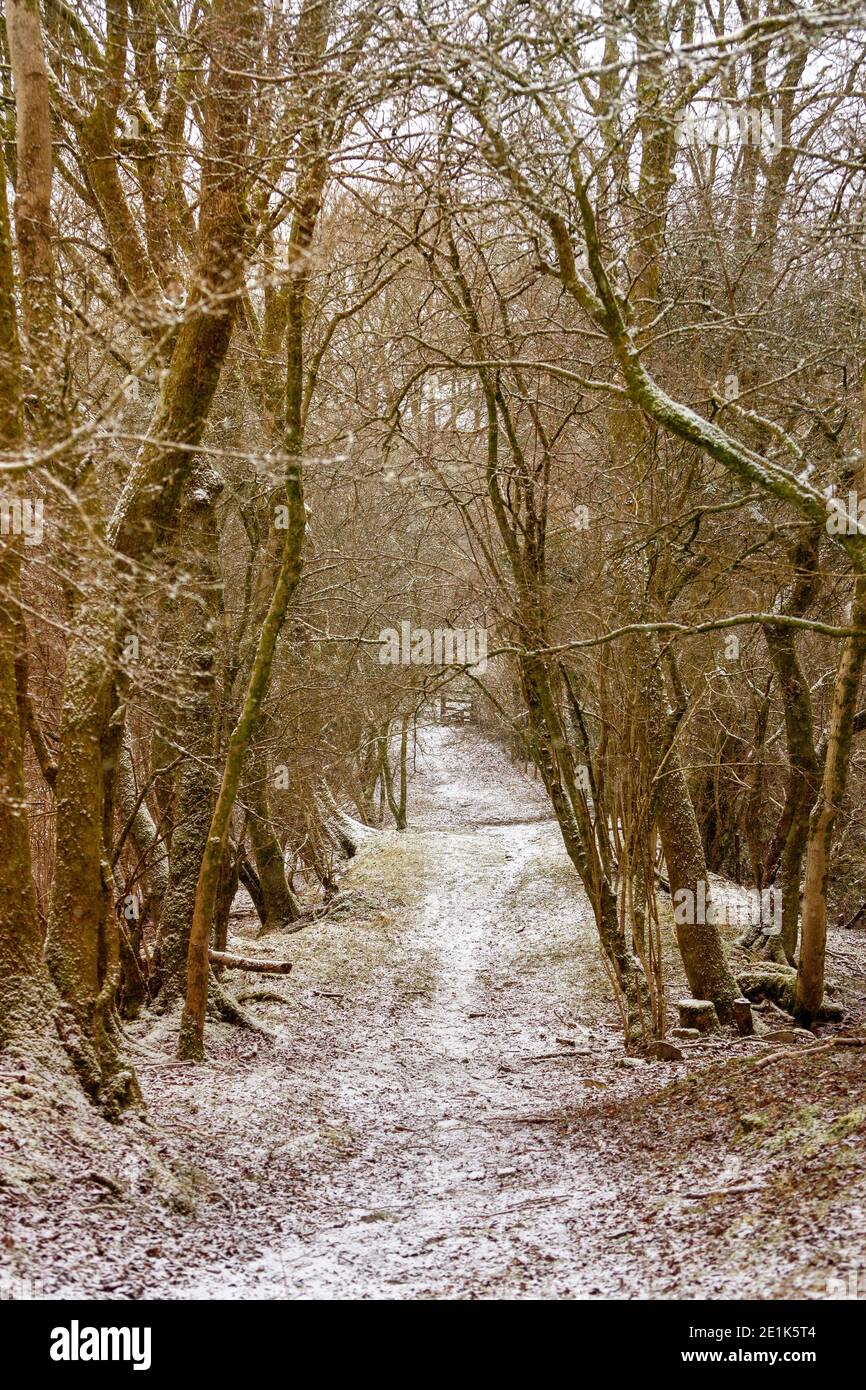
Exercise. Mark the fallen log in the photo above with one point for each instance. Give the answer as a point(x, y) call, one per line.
point(264, 967)
point(824, 1046)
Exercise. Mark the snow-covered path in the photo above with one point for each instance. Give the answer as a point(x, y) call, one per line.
point(451, 1177)
point(439, 1108)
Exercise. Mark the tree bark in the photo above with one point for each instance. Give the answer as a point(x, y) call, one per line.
point(28, 1001)
point(33, 189)
point(191, 1042)
point(279, 903)
point(789, 841)
point(194, 788)
point(813, 947)
point(145, 837)
point(700, 943)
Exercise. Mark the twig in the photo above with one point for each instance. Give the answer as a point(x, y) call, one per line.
point(726, 1191)
point(523, 1119)
point(557, 1056)
point(142, 1065)
point(130, 820)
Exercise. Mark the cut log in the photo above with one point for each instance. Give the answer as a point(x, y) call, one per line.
point(264, 967)
point(698, 1013)
point(743, 1017)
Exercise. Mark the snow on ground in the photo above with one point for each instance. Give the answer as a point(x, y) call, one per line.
point(439, 1109)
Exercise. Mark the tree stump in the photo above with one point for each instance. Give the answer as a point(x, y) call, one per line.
point(743, 1017)
point(698, 1013)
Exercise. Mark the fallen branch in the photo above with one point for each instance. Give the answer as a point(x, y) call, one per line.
point(163, 1065)
point(264, 967)
point(823, 1046)
point(103, 1180)
point(524, 1119)
point(762, 1062)
point(556, 1056)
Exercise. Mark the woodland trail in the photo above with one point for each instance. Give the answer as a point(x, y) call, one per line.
point(439, 1108)
point(447, 1173)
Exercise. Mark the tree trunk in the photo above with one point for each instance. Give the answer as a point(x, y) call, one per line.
point(280, 905)
point(700, 943)
point(194, 789)
point(789, 840)
point(145, 838)
point(33, 196)
point(397, 807)
point(553, 758)
point(248, 877)
point(191, 1042)
point(25, 984)
point(810, 973)
point(277, 592)
point(28, 1000)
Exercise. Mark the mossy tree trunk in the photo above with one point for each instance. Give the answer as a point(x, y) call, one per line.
point(97, 140)
point(789, 840)
point(28, 1001)
point(194, 783)
point(822, 822)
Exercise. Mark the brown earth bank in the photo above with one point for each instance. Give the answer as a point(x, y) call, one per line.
point(438, 1106)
